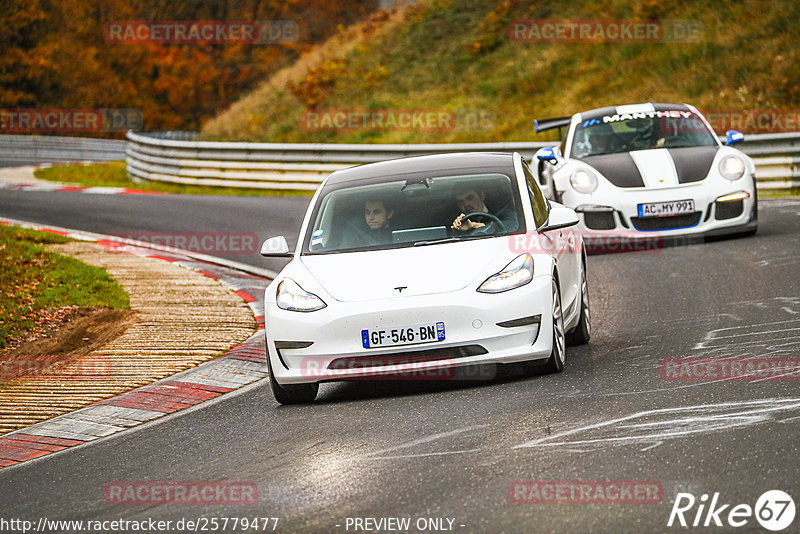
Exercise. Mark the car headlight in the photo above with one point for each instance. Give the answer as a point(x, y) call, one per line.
point(290, 296)
point(516, 274)
point(731, 168)
point(583, 181)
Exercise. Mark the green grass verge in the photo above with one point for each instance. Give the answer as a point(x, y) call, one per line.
point(779, 193)
point(33, 279)
point(114, 174)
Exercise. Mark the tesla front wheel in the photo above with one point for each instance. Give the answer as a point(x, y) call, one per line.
point(582, 332)
point(556, 362)
point(294, 393)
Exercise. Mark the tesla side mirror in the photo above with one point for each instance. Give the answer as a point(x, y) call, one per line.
point(733, 136)
point(548, 154)
point(560, 217)
point(276, 247)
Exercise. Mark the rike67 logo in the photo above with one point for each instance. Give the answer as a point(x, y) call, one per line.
point(774, 510)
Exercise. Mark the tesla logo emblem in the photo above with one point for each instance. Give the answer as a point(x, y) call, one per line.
point(400, 289)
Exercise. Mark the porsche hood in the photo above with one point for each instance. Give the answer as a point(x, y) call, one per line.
point(656, 168)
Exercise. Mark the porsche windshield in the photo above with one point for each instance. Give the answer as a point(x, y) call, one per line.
point(640, 131)
point(403, 211)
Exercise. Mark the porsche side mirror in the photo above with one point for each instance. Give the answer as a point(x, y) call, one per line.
point(733, 136)
point(548, 154)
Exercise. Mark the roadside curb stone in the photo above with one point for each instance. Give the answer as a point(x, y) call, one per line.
point(188, 311)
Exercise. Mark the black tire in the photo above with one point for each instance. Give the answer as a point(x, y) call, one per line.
point(583, 330)
point(291, 394)
point(555, 364)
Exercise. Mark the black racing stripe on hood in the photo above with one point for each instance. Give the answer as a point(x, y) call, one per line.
point(619, 169)
point(692, 163)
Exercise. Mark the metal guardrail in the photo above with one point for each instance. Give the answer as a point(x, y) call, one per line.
point(777, 159)
point(48, 149)
point(272, 165)
point(175, 157)
point(172, 157)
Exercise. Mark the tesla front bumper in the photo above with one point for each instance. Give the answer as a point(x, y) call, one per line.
point(478, 328)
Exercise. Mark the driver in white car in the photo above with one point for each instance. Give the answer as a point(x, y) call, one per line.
point(471, 200)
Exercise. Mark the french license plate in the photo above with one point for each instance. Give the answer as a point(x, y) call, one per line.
point(406, 335)
point(665, 209)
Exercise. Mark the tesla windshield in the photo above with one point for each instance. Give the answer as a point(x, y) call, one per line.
point(640, 131)
point(416, 210)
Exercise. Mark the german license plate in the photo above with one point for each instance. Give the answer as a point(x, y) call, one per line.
point(405, 335)
point(665, 209)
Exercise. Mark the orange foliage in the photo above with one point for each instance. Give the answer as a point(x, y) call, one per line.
point(55, 55)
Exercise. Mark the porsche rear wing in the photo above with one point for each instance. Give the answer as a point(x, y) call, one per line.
point(549, 124)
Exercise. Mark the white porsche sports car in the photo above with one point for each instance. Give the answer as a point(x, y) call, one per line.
point(650, 168)
point(417, 266)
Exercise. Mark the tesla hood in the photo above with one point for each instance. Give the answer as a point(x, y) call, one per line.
point(405, 272)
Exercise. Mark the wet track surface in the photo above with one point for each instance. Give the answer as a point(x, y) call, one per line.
point(454, 450)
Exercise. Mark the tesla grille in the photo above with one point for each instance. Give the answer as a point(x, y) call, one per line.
point(666, 223)
point(603, 220)
point(399, 358)
point(729, 210)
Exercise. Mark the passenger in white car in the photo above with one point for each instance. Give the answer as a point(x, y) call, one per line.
point(376, 228)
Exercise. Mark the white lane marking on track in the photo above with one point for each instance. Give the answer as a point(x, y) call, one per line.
point(712, 335)
point(426, 439)
point(699, 419)
point(421, 455)
point(653, 446)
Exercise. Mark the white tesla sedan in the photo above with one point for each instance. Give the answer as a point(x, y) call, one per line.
point(413, 267)
point(650, 170)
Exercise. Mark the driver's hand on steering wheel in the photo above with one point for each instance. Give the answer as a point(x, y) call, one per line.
point(465, 225)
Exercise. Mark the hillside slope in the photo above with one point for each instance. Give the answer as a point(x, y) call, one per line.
point(457, 57)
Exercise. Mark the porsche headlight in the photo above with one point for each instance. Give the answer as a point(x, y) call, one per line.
point(583, 181)
point(731, 168)
point(290, 296)
point(516, 274)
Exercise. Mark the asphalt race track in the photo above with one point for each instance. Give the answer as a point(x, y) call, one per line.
point(456, 451)
point(155, 216)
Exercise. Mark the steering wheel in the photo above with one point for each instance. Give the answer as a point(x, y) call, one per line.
point(642, 139)
point(488, 216)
